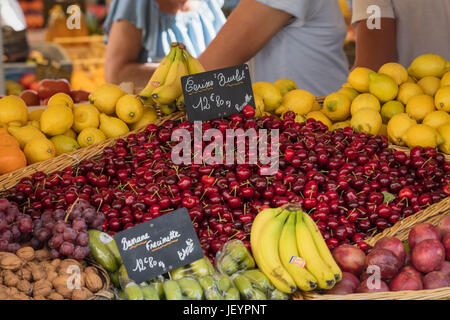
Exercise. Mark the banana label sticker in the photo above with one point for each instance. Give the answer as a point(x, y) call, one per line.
point(298, 261)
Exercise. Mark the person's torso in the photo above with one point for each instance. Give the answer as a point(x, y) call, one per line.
point(310, 52)
point(422, 27)
point(195, 28)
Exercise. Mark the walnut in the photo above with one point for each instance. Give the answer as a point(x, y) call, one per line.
point(10, 279)
point(56, 263)
point(39, 298)
point(48, 267)
point(10, 261)
point(42, 255)
point(38, 273)
point(93, 282)
point(52, 275)
point(24, 274)
point(91, 269)
point(42, 288)
point(3, 294)
point(65, 266)
point(82, 294)
point(25, 287)
point(12, 291)
point(26, 253)
point(1, 280)
point(62, 284)
point(55, 296)
point(21, 296)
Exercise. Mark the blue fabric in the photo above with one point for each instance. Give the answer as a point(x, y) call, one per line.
point(195, 29)
point(309, 50)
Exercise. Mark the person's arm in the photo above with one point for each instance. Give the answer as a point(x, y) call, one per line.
point(122, 52)
point(249, 27)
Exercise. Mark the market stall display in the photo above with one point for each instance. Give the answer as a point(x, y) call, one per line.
point(264, 236)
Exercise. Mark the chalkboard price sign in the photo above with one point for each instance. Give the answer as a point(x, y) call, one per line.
point(158, 246)
point(218, 93)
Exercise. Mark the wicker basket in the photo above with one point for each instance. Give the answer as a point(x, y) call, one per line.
point(105, 293)
point(400, 230)
point(11, 179)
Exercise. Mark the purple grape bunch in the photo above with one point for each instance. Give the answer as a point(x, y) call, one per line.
point(64, 233)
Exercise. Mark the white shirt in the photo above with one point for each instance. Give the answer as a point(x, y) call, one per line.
point(422, 25)
point(309, 50)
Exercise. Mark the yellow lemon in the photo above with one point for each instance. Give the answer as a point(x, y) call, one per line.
point(64, 144)
point(359, 79)
point(421, 135)
point(397, 126)
point(341, 125)
point(436, 119)
point(112, 127)
point(60, 99)
point(39, 149)
point(148, 117)
point(390, 109)
point(363, 101)
point(299, 101)
point(285, 85)
point(25, 134)
point(347, 85)
point(56, 120)
point(336, 106)
point(105, 97)
point(383, 130)
point(70, 133)
point(445, 81)
point(35, 115)
point(428, 65)
point(444, 132)
point(419, 106)
point(281, 110)
point(430, 85)
point(407, 91)
point(316, 106)
point(411, 80)
point(319, 116)
point(270, 94)
point(90, 136)
point(85, 116)
point(396, 71)
point(12, 108)
point(383, 87)
point(442, 99)
point(129, 108)
point(15, 124)
point(367, 120)
point(259, 104)
point(349, 92)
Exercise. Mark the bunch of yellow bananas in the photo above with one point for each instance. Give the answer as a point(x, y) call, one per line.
point(290, 250)
point(164, 87)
